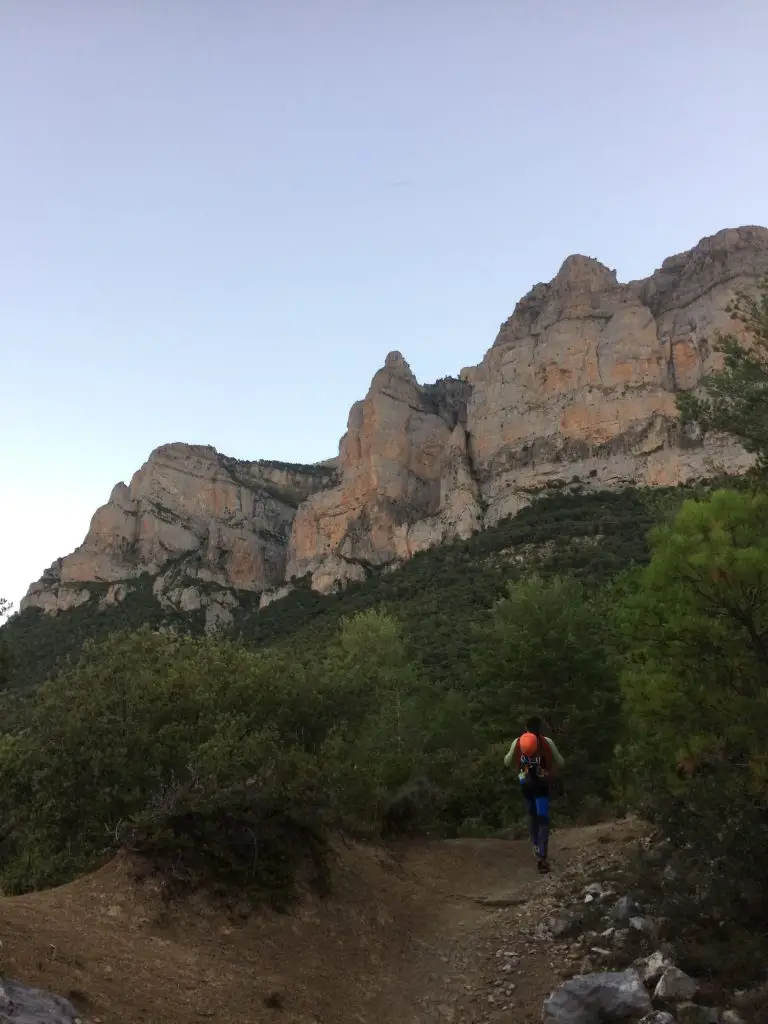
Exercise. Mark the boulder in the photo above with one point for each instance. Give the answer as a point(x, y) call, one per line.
point(658, 854)
point(21, 1004)
point(594, 998)
point(595, 892)
point(565, 924)
point(675, 986)
point(731, 1017)
point(652, 967)
point(623, 910)
point(692, 1013)
point(644, 925)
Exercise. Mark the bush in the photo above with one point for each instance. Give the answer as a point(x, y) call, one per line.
point(696, 687)
point(235, 844)
point(137, 713)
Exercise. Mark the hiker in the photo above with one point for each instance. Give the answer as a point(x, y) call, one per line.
point(535, 756)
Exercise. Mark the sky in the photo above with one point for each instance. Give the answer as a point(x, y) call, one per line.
point(217, 217)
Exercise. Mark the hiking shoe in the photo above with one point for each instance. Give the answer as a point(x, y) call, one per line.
point(543, 865)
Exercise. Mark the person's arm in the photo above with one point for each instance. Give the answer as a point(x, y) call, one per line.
point(510, 755)
point(559, 760)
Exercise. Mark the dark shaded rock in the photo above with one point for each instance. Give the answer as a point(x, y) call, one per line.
point(563, 924)
point(594, 998)
point(675, 986)
point(692, 1013)
point(623, 910)
point(658, 1017)
point(20, 1004)
point(652, 967)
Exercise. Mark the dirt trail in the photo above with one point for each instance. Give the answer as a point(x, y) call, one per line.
point(424, 932)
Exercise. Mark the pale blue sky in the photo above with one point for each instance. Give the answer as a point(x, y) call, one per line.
point(218, 216)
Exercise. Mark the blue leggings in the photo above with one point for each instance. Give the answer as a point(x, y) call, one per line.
point(537, 801)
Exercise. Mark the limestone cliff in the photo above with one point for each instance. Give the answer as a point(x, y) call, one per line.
point(406, 481)
point(581, 380)
point(202, 524)
point(578, 387)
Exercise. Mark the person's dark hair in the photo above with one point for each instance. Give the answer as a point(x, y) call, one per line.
point(533, 724)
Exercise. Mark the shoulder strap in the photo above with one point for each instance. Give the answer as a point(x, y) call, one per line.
point(549, 752)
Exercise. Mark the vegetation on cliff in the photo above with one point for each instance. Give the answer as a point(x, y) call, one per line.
point(734, 399)
point(437, 595)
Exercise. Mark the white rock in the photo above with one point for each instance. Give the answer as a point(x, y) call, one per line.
point(589, 998)
point(652, 967)
point(622, 910)
point(217, 617)
point(675, 985)
point(34, 1006)
point(643, 924)
point(731, 1017)
point(658, 1017)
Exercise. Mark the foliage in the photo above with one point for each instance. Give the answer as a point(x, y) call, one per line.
point(236, 844)
point(545, 649)
point(441, 594)
point(184, 746)
point(370, 700)
point(42, 644)
point(136, 715)
point(5, 654)
point(388, 708)
point(735, 399)
point(437, 596)
point(696, 688)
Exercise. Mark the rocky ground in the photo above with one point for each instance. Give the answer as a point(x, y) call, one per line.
point(460, 932)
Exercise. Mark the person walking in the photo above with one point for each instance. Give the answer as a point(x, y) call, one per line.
point(535, 756)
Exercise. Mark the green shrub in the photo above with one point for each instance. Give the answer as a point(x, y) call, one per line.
point(696, 688)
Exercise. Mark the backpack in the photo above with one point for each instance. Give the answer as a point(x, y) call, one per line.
point(534, 767)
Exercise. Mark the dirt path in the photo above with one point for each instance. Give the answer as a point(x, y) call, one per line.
point(426, 932)
point(478, 954)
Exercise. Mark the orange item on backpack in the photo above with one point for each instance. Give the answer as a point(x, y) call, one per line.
point(529, 744)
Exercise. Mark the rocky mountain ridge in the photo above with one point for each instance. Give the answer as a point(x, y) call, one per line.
point(578, 389)
point(205, 526)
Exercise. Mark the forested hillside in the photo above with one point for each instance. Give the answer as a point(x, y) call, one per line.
point(386, 706)
point(435, 595)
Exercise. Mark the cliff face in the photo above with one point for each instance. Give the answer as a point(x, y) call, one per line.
point(406, 481)
point(581, 380)
point(579, 385)
point(204, 525)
